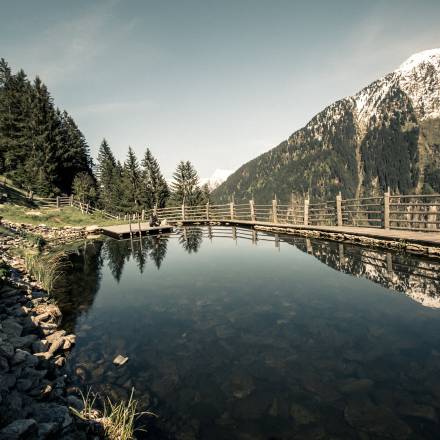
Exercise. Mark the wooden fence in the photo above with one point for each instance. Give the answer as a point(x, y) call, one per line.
point(408, 212)
point(417, 212)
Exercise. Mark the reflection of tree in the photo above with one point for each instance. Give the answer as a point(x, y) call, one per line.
point(191, 238)
point(140, 254)
point(158, 249)
point(76, 290)
point(116, 252)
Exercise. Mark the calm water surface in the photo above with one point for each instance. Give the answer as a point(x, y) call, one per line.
point(236, 335)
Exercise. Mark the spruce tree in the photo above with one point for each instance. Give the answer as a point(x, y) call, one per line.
point(155, 190)
point(185, 187)
point(131, 183)
point(107, 176)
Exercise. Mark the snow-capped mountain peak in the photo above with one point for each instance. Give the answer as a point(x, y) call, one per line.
point(431, 56)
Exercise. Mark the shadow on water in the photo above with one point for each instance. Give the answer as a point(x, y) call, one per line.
point(232, 339)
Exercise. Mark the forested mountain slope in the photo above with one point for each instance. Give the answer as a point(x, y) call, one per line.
point(388, 134)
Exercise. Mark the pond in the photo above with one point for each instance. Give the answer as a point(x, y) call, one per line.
point(234, 334)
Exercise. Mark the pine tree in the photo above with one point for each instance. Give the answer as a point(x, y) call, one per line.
point(155, 190)
point(108, 177)
point(185, 187)
point(205, 194)
point(131, 183)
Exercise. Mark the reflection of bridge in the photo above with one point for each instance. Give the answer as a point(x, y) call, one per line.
point(418, 278)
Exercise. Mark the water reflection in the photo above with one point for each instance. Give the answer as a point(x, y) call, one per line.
point(244, 335)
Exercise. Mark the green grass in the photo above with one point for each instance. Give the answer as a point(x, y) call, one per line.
point(67, 216)
point(118, 419)
point(45, 268)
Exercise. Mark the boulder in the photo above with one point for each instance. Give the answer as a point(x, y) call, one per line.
point(11, 327)
point(19, 429)
point(120, 360)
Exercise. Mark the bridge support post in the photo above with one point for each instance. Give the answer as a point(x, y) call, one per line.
point(231, 210)
point(252, 208)
point(306, 211)
point(386, 209)
point(339, 209)
point(207, 211)
point(275, 210)
point(183, 211)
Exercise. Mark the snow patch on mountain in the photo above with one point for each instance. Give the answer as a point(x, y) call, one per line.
point(216, 179)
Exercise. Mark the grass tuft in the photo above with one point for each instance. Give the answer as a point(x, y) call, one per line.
point(46, 269)
point(117, 419)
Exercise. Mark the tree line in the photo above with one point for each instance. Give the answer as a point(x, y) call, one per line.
point(41, 147)
point(134, 185)
point(43, 151)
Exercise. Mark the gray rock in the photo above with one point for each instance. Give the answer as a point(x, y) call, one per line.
point(47, 430)
point(22, 356)
point(76, 403)
point(19, 429)
point(6, 350)
point(424, 412)
point(40, 346)
point(22, 341)
point(7, 381)
point(24, 384)
point(4, 364)
point(11, 327)
point(51, 413)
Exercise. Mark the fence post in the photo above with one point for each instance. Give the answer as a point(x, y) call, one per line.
point(231, 210)
point(252, 207)
point(306, 211)
point(71, 199)
point(386, 209)
point(207, 211)
point(183, 211)
point(339, 209)
point(432, 217)
point(275, 210)
point(58, 201)
point(143, 214)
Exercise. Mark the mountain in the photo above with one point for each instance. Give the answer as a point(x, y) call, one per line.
point(388, 134)
point(217, 178)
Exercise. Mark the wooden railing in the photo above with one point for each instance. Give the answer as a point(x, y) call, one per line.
point(408, 212)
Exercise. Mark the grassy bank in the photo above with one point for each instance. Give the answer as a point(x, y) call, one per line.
point(67, 216)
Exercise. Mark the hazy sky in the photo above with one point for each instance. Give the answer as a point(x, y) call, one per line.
point(215, 82)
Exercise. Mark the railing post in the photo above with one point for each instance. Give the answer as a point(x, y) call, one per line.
point(231, 210)
point(252, 207)
point(58, 201)
point(207, 211)
point(71, 199)
point(432, 217)
point(306, 211)
point(339, 209)
point(386, 209)
point(183, 211)
point(275, 210)
point(143, 215)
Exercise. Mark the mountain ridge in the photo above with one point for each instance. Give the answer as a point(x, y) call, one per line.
point(386, 135)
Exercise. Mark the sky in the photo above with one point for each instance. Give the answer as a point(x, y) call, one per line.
point(214, 82)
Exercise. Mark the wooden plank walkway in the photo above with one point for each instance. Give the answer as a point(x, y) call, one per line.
point(124, 231)
point(424, 238)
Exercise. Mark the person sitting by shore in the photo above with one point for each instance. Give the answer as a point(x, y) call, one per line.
point(154, 221)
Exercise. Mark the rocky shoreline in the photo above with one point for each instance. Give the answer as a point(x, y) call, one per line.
point(34, 392)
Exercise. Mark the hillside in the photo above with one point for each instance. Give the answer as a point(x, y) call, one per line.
point(388, 134)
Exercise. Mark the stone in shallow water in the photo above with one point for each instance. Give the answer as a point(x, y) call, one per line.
point(301, 415)
point(425, 412)
point(11, 327)
point(376, 420)
point(120, 360)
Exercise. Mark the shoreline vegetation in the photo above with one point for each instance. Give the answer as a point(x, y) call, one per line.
point(35, 398)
